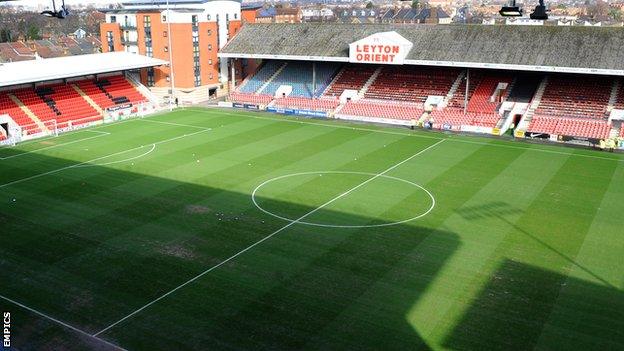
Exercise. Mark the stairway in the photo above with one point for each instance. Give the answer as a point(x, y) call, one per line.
point(29, 113)
point(369, 82)
point(537, 99)
point(615, 90)
point(266, 84)
point(454, 87)
point(88, 99)
point(334, 80)
point(142, 89)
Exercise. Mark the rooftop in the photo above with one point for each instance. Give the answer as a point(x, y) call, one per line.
point(592, 50)
point(72, 66)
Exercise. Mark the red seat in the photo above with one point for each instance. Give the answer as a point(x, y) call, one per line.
point(382, 109)
point(326, 104)
point(249, 98)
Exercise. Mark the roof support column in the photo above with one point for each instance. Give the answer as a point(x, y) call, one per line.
point(467, 87)
point(171, 75)
point(232, 74)
point(313, 80)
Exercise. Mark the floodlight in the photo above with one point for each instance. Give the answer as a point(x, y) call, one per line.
point(540, 12)
point(61, 14)
point(511, 11)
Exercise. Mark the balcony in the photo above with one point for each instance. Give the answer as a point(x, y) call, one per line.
point(126, 41)
point(127, 26)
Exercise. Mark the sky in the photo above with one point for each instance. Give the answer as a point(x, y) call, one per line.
point(67, 2)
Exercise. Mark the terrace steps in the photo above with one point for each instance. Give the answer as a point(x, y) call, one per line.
point(88, 99)
point(277, 73)
point(370, 82)
point(29, 113)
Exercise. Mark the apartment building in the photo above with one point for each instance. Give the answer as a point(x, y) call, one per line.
point(189, 33)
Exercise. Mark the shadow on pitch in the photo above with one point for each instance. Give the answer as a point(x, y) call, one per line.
point(524, 307)
point(90, 245)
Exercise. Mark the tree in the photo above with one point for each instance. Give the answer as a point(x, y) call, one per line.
point(369, 5)
point(415, 4)
point(32, 33)
point(5, 35)
point(616, 14)
point(598, 11)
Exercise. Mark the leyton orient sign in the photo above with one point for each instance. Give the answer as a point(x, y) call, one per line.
point(388, 48)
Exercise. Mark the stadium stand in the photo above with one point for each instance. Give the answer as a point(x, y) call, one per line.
point(577, 93)
point(299, 75)
point(481, 110)
point(110, 91)
point(483, 99)
point(49, 96)
point(379, 109)
point(412, 84)
point(261, 77)
point(619, 103)
point(567, 96)
point(352, 77)
point(57, 102)
point(307, 104)
point(247, 98)
point(577, 127)
point(9, 107)
point(524, 88)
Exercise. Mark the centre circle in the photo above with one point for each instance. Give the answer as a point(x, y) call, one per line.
point(370, 177)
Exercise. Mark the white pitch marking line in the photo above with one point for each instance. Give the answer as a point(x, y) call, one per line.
point(176, 124)
point(388, 224)
point(119, 161)
point(452, 138)
point(94, 160)
point(100, 134)
point(266, 238)
point(80, 331)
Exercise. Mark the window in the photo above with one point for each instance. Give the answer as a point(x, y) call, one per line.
point(235, 16)
point(210, 61)
point(165, 33)
point(209, 17)
point(113, 19)
point(209, 32)
point(168, 79)
point(110, 42)
point(150, 77)
point(166, 48)
point(209, 47)
point(164, 18)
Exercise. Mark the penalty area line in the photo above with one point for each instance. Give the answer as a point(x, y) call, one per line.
point(68, 326)
point(81, 164)
point(99, 135)
point(381, 174)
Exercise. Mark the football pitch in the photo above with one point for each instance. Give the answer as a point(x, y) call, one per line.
point(213, 229)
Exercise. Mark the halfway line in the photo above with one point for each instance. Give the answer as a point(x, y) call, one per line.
point(266, 238)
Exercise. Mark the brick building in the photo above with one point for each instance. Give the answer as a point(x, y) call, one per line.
point(189, 34)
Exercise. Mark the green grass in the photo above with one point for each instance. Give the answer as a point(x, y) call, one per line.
point(523, 249)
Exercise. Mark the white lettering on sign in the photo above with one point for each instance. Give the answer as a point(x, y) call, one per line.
point(382, 48)
point(377, 53)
